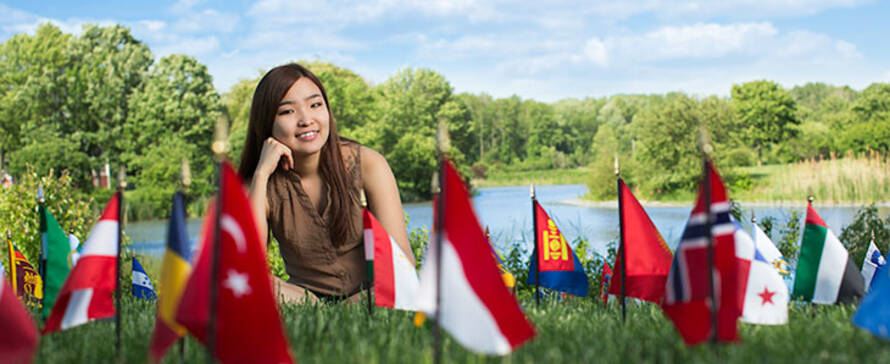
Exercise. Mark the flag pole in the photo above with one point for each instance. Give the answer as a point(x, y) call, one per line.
point(122, 184)
point(370, 267)
point(12, 273)
point(622, 248)
point(531, 192)
point(41, 269)
point(706, 192)
point(442, 144)
point(219, 150)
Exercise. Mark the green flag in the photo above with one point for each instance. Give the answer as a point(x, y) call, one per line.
point(56, 249)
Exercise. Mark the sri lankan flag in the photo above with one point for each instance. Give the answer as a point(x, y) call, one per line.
point(175, 271)
point(24, 279)
point(825, 272)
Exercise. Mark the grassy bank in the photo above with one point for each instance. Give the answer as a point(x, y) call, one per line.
point(542, 177)
point(853, 179)
point(579, 330)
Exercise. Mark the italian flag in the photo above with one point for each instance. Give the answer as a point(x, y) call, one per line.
point(394, 277)
point(825, 272)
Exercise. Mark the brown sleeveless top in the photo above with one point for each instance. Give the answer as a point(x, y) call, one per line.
point(310, 257)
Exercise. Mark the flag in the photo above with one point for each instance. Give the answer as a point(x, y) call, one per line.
point(604, 284)
point(825, 272)
point(24, 279)
point(648, 257)
point(142, 287)
point(88, 292)
point(508, 278)
point(873, 262)
point(56, 248)
point(18, 335)
point(473, 305)
point(873, 314)
point(393, 274)
point(765, 299)
point(769, 252)
point(687, 290)
point(560, 268)
point(74, 254)
point(242, 285)
point(175, 270)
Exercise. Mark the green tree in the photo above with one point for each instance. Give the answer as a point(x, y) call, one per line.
point(237, 108)
point(767, 112)
point(352, 99)
point(870, 128)
point(667, 145)
point(857, 236)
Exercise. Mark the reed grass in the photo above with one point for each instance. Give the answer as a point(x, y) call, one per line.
point(855, 178)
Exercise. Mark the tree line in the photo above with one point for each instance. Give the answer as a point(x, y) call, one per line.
point(75, 102)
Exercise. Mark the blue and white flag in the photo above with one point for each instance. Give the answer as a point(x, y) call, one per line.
point(142, 287)
point(873, 262)
point(873, 314)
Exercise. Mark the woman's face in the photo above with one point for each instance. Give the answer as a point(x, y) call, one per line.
point(302, 121)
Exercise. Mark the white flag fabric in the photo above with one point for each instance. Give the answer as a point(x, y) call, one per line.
point(766, 296)
point(768, 250)
point(873, 260)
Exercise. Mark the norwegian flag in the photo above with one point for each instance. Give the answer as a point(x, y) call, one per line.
point(687, 290)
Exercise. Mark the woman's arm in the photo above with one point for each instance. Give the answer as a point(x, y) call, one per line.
point(272, 155)
point(383, 198)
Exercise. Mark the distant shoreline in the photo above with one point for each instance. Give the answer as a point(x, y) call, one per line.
point(614, 203)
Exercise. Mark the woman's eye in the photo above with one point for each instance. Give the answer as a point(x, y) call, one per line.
point(315, 104)
point(284, 112)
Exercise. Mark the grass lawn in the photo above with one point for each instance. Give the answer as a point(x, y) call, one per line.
point(577, 330)
point(543, 177)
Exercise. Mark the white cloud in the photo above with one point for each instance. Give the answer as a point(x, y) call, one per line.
point(184, 6)
point(596, 51)
point(196, 47)
point(206, 21)
point(692, 41)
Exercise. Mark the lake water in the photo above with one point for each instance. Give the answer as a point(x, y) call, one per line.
point(507, 213)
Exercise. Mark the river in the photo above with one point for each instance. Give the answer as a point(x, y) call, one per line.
point(507, 213)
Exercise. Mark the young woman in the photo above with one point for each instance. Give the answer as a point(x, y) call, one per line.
point(305, 183)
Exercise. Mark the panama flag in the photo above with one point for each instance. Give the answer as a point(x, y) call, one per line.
point(825, 272)
point(247, 324)
point(765, 299)
point(175, 270)
point(18, 336)
point(872, 263)
point(560, 268)
point(88, 292)
point(688, 291)
point(394, 277)
point(648, 257)
point(473, 304)
point(142, 287)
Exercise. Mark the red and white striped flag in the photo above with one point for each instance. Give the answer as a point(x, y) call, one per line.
point(394, 276)
point(473, 304)
point(88, 292)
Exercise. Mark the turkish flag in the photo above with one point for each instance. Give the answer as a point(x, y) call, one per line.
point(247, 324)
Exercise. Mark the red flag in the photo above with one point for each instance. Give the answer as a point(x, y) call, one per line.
point(88, 292)
point(648, 257)
point(18, 335)
point(604, 283)
point(688, 293)
point(248, 327)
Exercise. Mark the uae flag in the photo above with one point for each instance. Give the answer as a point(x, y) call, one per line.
point(825, 272)
point(393, 274)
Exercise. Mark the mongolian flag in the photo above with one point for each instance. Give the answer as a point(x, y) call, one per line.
point(88, 292)
point(473, 305)
point(648, 257)
point(560, 268)
point(175, 271)
point(24, 279)
point(247, 324)
point(393, 274)
point(688, 290)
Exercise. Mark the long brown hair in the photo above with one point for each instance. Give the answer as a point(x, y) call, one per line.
point(269, 92)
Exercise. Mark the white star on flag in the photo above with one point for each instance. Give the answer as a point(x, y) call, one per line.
point(237, 282)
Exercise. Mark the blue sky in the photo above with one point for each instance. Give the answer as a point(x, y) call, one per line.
point(545, 50)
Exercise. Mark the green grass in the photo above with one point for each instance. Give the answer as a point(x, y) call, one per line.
point(579, 330)
point(498, 178)
point(852, 179)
